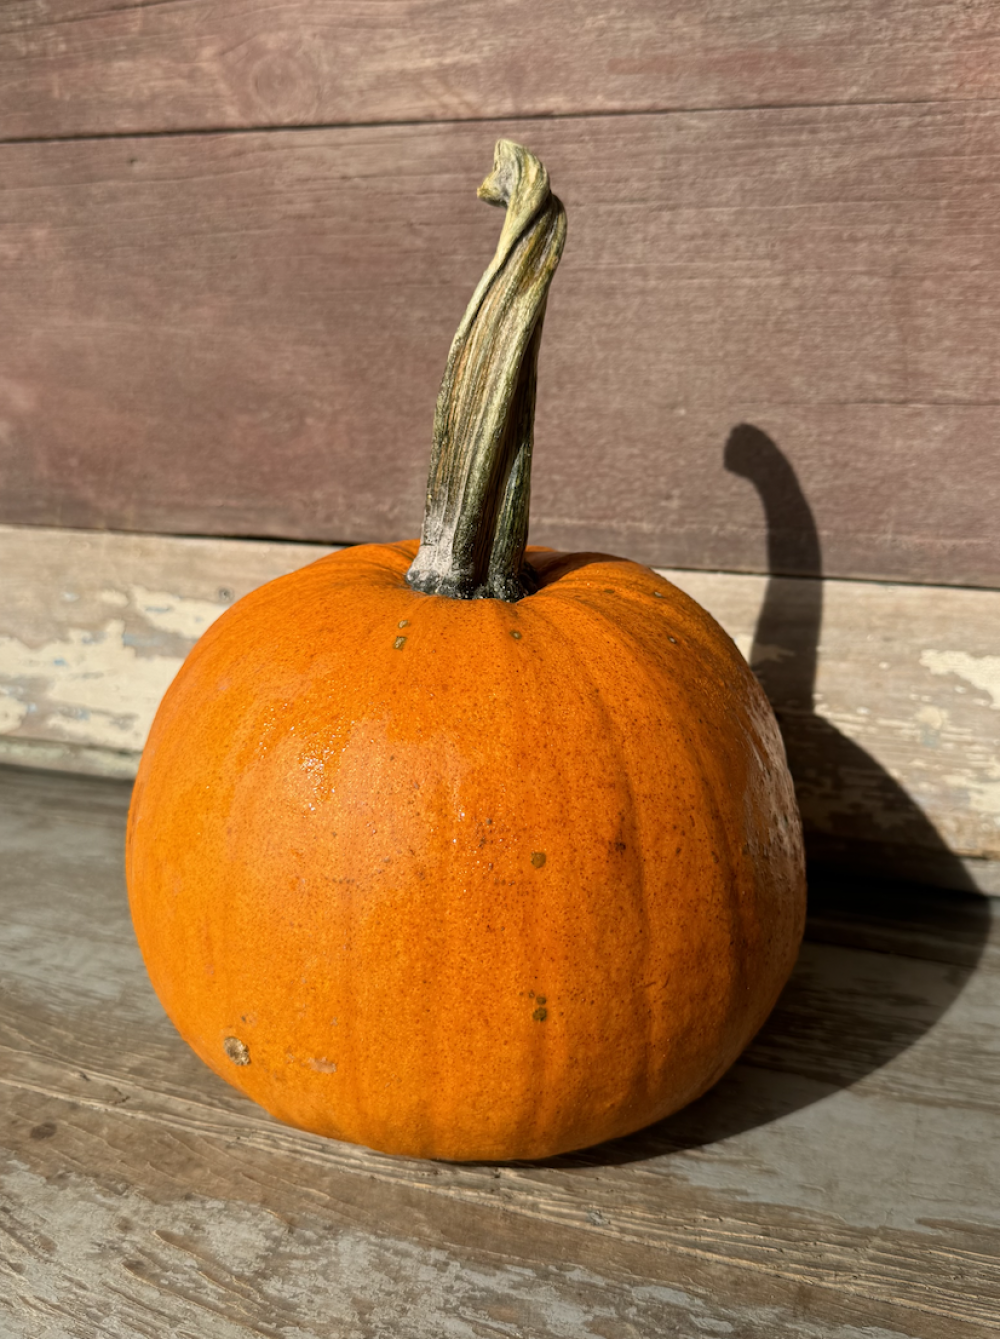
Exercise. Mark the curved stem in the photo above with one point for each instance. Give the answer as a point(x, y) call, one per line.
point(476, 517)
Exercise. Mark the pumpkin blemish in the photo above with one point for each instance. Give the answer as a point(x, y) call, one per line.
point(540, 1015)
point(399, 643)
point(538, 859)
point(237, 1050)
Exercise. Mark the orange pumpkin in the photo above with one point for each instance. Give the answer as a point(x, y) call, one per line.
point(471, 851)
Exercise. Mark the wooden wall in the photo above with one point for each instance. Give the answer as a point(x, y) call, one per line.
point(235, 241)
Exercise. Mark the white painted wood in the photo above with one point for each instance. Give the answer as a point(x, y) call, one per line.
point(888, 695)
point(94, 626)
point(889, 702)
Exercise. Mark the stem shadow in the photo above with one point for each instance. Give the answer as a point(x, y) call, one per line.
point(885, 956)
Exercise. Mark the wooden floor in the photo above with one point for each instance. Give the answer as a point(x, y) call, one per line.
point(842, 1180)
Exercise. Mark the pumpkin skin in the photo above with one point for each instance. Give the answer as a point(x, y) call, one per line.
point(466, 879)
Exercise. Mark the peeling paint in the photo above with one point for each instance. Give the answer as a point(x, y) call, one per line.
point(88, 687)
point(179, 614)
point(12, 712)
point(744, 643)
point(933, 717)
point(769, 651)
point(982, 797)
point(981, 671)
point(763, 652)
point(921, 716)
point(60, 756)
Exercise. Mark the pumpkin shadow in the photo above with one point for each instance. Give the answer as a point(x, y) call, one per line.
point(885, 954)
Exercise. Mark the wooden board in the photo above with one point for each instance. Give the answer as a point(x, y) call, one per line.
point(889, 696)
point(244, 334)
point(83, 67)
point(841, 1180)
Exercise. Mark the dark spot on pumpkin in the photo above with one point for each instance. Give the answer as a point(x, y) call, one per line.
point(540, 999)
point(619, 846)
point(540, 1015)
point(399, 643)
point(44, 1131)
point(236, 1050)
point(538, 859)
point(515, 634)
point(609, 590)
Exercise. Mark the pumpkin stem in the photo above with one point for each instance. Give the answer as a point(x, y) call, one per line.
point(476, 518)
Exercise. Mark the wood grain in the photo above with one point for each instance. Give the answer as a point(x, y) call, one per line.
point(244, 334)
point(839, 1180)
point(888, 696)
point(83, 67)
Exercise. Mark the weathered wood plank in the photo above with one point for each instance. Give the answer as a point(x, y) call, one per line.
point(840, 1179)
point(94, 626)
point(244, 334)
point(889, 696)
point(84, 67)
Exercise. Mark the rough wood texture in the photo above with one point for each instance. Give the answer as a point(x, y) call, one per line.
point(840, 1180)
point(84, 67)
point(888, 696)
point(93, 627)
point(245, 334)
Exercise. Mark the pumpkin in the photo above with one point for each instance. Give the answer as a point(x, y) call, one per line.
point(463, 849)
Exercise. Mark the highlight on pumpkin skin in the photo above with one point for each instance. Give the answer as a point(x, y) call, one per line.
point(476, 518)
